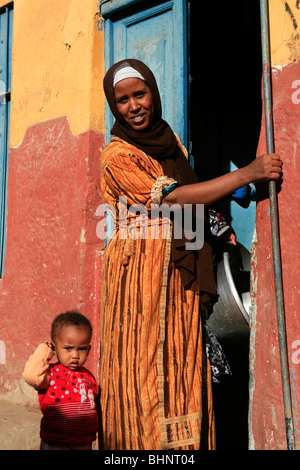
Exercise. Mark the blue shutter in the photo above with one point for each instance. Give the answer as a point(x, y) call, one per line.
point(157, 36)
point(6, 23)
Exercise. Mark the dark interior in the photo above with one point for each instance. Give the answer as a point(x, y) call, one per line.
point(224, 124)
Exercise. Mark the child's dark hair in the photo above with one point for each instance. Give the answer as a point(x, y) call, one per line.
point(73, 318)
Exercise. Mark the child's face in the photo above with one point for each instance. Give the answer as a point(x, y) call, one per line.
point(72, 346)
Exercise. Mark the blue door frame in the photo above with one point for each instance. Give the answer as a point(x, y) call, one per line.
point(6, 27)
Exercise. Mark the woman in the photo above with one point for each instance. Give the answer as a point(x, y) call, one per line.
point(154, 375)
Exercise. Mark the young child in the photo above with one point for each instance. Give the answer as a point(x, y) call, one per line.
point(67, 390)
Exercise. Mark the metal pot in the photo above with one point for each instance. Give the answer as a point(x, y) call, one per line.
point(230, 317)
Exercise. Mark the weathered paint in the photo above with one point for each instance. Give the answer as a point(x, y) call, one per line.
point(49, 267)
point(266, 414)
point(58, 65)
point(53, 255)
point(284, 32)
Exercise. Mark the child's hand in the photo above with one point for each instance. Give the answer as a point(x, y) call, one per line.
point(229, 237)
point(232, 239)
point(37, 372)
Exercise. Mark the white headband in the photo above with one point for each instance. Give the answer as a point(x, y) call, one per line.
point(126, 72)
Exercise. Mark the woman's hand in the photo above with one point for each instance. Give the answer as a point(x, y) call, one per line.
point(265, 168)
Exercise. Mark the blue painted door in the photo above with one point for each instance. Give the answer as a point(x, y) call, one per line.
point(157, 36)
point(6, 24)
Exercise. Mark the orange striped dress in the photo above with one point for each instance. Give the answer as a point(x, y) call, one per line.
point(154, 375)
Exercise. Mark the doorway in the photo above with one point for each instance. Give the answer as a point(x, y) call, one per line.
point(221, 54)
point(225, 111)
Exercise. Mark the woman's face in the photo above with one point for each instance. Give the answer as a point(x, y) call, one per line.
point(134, 102)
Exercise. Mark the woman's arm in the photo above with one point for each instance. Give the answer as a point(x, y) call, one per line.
point(264, 168)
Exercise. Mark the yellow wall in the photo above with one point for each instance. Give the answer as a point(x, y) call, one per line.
point(57, 65)
point(284, 31)
point(58, 60)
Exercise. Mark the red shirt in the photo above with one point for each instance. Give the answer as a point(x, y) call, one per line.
point(69, 407)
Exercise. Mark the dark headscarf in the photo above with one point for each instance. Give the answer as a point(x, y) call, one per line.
point(159, 142)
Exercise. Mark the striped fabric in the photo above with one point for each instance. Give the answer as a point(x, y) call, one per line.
point(154, 375)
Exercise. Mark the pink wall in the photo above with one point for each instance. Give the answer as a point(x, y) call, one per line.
point(53, 255)
point(266, 418)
